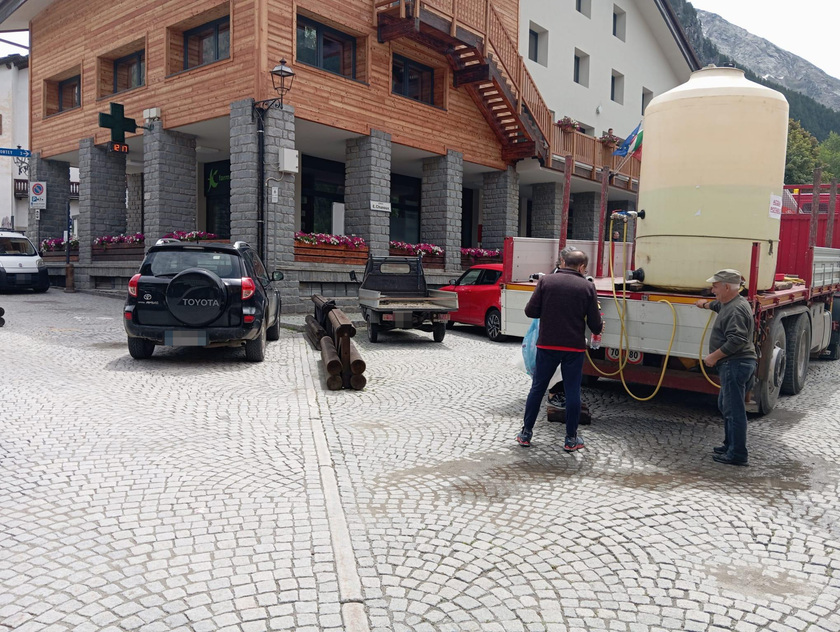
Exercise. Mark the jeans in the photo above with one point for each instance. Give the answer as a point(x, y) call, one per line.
point(734, 377)
point(547, 362)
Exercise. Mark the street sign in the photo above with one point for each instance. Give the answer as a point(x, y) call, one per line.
point(18, 153)
point(38, 195)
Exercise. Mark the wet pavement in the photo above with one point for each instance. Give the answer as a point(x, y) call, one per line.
point(195, 491)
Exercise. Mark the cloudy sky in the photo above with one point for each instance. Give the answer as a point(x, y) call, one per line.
point(803, 27)
point(807, 28)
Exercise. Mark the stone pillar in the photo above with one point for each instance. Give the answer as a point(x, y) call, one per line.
point(587, 216)
point(440, 214)
point(53, 221)
point(169, 181)
point(367, 177)
point(134, 203)
point(101, 196)
point(244, 172)
point(501, 207)
point(547, 210)
point(280, 215)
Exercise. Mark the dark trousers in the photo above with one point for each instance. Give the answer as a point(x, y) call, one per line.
point(571, 363)
point(734, 377)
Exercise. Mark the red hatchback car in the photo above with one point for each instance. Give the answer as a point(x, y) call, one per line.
point(479, 299)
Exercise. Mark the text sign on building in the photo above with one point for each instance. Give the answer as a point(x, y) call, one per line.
point(15, 153)
point(120, 148)
point(380, 206)
point(38, 195)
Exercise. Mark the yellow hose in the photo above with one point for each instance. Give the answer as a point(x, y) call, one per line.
point(623, 333)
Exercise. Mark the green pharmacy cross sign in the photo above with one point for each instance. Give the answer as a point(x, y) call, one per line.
point(117, 123)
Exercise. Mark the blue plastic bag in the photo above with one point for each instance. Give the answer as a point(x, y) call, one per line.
point(529, 347)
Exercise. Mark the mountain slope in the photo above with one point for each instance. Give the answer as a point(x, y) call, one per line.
point(769, 61)
point(815, 117)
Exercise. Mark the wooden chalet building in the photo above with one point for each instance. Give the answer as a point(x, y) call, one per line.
point(409, 121)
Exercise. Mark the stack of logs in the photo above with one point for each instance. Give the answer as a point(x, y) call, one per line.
point(331, 331)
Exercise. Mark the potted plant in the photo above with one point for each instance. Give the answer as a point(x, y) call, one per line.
point(567, 124)
point(194, 235)
point(433, 256)
point(54, 249)
point(326, 248)
point(473, 256)
point(118, 247)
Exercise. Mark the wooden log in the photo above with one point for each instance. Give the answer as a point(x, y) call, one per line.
point(342, 345)
point(357, 365)
point(316, 343)
point(339, 324)
point(358, 382)
point(315, 328)
point(323, 306)
point(330, 357)
point(334, 382)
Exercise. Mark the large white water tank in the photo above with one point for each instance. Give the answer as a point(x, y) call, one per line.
point(711, 180)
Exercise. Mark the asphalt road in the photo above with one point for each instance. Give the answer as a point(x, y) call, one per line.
point(195, 491)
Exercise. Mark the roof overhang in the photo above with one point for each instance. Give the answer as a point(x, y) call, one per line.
point(15, 15)
point(676, 33)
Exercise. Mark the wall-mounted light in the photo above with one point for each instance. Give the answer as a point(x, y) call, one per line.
point(281, 78)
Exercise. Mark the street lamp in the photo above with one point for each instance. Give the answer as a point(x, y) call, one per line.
point(281, 79)
point(279, 75)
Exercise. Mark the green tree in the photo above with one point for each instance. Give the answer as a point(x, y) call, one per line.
point(830, 156)
point(802, 154)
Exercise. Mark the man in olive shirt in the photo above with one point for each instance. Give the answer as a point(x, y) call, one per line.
point(733, 352)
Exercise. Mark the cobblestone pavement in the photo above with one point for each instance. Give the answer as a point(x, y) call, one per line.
point(195, 491)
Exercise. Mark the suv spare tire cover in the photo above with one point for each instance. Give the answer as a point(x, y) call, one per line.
point(196, 297)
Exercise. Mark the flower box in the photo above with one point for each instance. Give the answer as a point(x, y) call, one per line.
point(331, 253)
point(117, 252)
point(430, 261)
point(59, 256)
point(467, 261)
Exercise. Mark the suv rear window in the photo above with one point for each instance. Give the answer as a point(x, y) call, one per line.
point(171, 262)
point(16, 246)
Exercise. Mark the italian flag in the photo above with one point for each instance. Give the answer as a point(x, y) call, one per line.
point(635, 148)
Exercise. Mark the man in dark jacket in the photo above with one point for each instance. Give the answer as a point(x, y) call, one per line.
point(565, 303)
point(733, 352)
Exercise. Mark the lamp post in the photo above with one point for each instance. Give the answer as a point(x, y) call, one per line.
point(282, 78)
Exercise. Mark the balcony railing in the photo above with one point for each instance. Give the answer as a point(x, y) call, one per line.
point(22, 189)
point(589, 151)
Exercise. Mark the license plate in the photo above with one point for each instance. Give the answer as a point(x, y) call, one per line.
point(24, 278)
point(633, 356)
point(185, 338)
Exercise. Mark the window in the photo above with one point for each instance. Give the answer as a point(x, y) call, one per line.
point(207, 43)
point(413, 80)
point(130, 71)
point(325, 47)
point(581, 69)
point(70, 93)
point(617, 87)
point(405, 208)
point(533, 43)
point(538, 44)
point(322, 187)
point(584, 7)
point(619, 25)
point(647, 95)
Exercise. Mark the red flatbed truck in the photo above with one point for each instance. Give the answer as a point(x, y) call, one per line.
point(796, 321)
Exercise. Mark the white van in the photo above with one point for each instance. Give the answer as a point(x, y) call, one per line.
point(21, 267)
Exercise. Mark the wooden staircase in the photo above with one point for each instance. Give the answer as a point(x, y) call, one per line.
point(490, 84)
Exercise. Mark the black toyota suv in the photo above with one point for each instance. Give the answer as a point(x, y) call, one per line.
point(202, 295)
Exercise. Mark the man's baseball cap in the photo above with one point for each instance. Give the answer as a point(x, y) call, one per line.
point(727, 275)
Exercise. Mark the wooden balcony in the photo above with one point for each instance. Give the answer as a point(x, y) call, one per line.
point(22, 189)
point(590, 156)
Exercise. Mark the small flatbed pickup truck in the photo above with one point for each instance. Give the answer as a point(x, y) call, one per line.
point(393, 295)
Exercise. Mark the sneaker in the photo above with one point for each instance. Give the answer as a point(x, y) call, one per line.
point(572, 444)
point(524, 439)
point(558, 400)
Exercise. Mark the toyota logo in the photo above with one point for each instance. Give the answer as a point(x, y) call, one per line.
point(147, 297)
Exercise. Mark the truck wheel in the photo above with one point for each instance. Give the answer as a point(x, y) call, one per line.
point(773, 352)
point(832, 352)
point(439, 331)
point(373, 331)
point(493, 325)
point(255, 349)
point(140, 348)
point(798, 340)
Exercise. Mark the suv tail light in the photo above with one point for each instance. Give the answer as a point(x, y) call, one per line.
point(248, 287)
point(132, 285)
